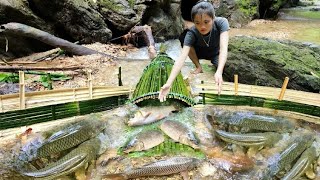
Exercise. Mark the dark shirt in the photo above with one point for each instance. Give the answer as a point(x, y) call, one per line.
point(194, 39)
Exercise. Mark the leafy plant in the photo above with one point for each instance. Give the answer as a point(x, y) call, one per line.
point(9, 77)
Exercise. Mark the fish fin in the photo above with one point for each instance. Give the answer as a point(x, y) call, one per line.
point(160, 116)
point(184, 175)
point(146, 114)
point(118, 176)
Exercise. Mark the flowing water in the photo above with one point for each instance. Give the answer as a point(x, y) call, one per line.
point(222, 161)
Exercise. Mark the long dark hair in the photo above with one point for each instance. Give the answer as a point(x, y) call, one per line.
point(203, 7)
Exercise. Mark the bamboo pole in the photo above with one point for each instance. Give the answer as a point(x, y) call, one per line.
point(236, 84)
point(283, 89)
point(90, 83)
point(22, 90)
point(1, 104)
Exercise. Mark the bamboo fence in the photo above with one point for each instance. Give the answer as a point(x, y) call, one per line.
point(239, 94)
point(26, 100)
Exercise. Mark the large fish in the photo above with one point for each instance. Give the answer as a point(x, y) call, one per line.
point(253, 122)
point(286, 157)
point(144, 140)
point(180, 133)
point(302, 165)
point(250, 139)
point(150, 114)
point(159, 168)
point(77, 158)
point(70, 137)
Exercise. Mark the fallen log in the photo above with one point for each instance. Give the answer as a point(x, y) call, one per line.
point(25, 68)
point(19, 29)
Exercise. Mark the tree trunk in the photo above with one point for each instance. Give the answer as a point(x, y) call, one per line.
point(28, 31)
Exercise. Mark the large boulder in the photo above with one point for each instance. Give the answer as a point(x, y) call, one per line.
point(267, 62)
point(75, 20)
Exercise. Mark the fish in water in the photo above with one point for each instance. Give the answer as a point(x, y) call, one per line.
point(180, 133)
point(144, 140)
point(160, 168)
point(252, 121)
point(147, 115)
point(303, 164)
point(79, 157)
point(250, 139)
point(70, 137)
point(290, 154)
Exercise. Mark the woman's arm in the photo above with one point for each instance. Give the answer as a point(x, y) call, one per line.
point(174, 73)
point(223, 53)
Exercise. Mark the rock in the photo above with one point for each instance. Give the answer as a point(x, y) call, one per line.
point(267, 62)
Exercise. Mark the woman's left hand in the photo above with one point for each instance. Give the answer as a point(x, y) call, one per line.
point(218, 79)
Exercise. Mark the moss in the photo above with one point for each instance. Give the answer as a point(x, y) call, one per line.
point(111, 5)
point(131, 3)
point(291, 58)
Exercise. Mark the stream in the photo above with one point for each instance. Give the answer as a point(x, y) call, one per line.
point(293, 24)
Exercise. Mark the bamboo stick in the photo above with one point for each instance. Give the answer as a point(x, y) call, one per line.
point(283, 89)
point(236, 84)
point(1, 105)
point(90, 83)
point(22, 90)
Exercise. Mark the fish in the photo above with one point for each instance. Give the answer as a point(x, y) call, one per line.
point(70, 137)
point(253, 122)
point(250, 139)
point(289, 155)
point(144, 140)
point(302, 165)
point(160, 168)
point(79, 157)
point(147, 115)
point(180, 133)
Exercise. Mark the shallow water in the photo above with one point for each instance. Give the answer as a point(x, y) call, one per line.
point(219, 157)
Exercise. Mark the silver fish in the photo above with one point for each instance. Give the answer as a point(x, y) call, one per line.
point(144, 140)
point(180, 133)
point(302, 165)
point(77, 158)
point(159, 168)
point(250, 139)
point(150, 114)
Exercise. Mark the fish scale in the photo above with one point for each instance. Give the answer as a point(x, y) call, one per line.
point(163, 167)
point(289, 155)
point(250, 139)
point(77, 158)
point(302, 164)
point(58, 143)
point(255, 122)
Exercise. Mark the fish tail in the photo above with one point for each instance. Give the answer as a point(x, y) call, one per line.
point(118, 176)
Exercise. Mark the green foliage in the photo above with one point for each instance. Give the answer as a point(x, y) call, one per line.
point(46, 80)
point(248, 7)
point(168, 147)
point(9, 77)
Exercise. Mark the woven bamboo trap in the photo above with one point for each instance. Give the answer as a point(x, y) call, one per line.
point(154, 76)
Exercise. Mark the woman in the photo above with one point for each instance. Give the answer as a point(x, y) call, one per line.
point(207, 39)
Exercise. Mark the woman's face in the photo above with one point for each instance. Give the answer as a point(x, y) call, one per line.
point(203, 23)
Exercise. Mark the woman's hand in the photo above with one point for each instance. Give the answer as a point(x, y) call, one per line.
point(218, 79)
point(165, 89)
